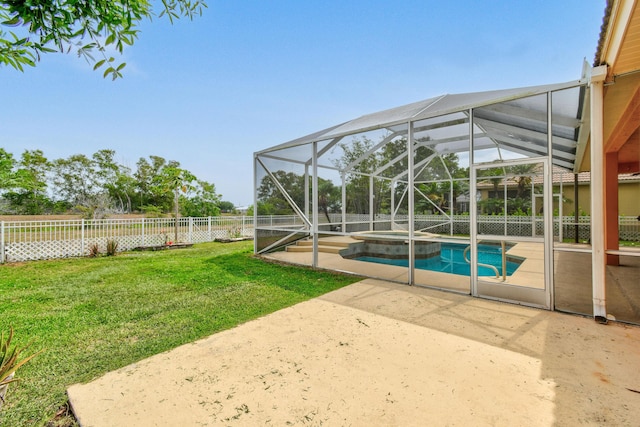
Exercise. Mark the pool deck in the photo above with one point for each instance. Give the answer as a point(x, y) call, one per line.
point(572, 276)
point(529, 274)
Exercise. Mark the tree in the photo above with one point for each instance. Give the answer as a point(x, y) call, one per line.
point(204, 201)
point(356, 179)
point(7, 163)
point(445, 168)
point(226, 206)
point(329, 197)
point(31, 183)
point(494, 204)
point(151, 185)
point(173, 179)
point(143, 177)
point(97, 185)
point(523, 178)
point(271, 198)
point(114, 178)
point(124, 188)
point(79, 181)
point(264, 208)
point(74, 179)
point(88, 27)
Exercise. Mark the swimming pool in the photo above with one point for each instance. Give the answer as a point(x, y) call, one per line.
point(451, 260)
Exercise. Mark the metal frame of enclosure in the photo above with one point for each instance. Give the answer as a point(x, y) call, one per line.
point(479, 161)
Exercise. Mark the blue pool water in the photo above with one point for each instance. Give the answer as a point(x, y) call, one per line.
point(452, 261)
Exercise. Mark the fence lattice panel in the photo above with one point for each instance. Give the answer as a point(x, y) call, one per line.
point(45, 249)
point(34, 240)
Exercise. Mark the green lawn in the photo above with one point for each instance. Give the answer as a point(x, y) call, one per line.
point(94, 315)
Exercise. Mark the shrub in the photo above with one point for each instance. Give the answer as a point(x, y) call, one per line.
point(94, 250)
point(151, 211)
point(112, 246)
point(9, 362)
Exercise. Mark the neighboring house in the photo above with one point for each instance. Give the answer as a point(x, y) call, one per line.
point(628, 193)
point(564, 183)
point(242, 210)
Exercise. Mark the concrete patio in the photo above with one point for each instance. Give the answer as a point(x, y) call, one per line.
point(380, 353)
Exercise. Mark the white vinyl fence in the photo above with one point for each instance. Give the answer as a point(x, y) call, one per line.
point(35, 240)
point(564, 227)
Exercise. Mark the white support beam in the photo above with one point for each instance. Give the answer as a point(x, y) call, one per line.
point(344, 202)
point(473, 210)
point(393, 203)
point(371, 203)
point(255, 211)
point(528, 135)
point(306, 191)
point(528, 113)
point(284, 194)
point(314, 203)
point(412, 211)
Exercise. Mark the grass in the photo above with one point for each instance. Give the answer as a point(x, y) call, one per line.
point(94, 315)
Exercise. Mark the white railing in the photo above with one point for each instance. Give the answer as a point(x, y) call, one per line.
point(34, 240)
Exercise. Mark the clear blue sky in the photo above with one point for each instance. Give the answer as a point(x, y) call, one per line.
point(251, 74)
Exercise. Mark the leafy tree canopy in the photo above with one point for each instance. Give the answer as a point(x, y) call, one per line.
point(97, 185)
point(88, 27)
point(7, 163)
point(226, 206)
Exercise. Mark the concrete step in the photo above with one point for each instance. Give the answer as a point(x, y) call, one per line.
point(321, 248)
point(324, 242)
point(296, 248)
point(330, 249)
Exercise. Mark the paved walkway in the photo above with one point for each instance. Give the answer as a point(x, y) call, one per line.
point(378, 353)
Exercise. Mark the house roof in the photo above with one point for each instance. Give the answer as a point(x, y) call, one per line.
point(619, 40)
point(603, 33)
point(567, 178)
point(585, 177)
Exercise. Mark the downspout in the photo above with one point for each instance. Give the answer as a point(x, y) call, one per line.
point(598, 255)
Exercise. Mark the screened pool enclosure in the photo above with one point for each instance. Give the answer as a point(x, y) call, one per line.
point(385, 193)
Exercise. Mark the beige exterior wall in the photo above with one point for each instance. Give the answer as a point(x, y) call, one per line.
point(569, 205)
point(628, 198)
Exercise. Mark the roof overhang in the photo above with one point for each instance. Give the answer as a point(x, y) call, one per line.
point(619, 50)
